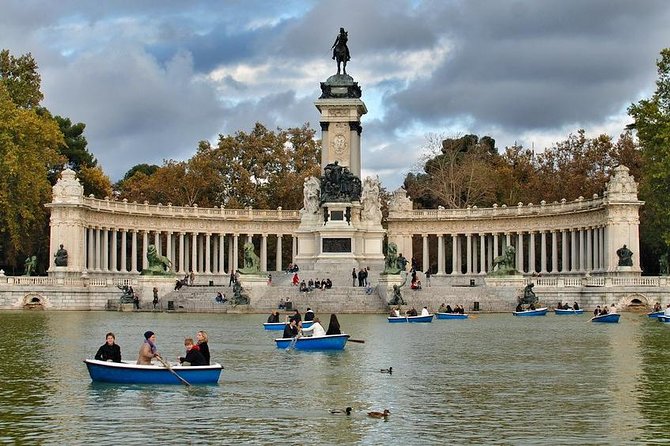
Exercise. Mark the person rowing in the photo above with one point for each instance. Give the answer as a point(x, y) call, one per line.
point(148, 350)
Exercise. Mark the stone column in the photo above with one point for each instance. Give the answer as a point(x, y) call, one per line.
point(278, 256)
point(194, 252)
point(531, 253)
point(222, 265)
point(105, 249)
point(543, 251)
point(582, 263)
point(91, 249)
point(554, 252)
point(236, 241)
point(573, 250)
point(168, 249)
point(208, 253)
point(603, 257)
point(440, 255)
point(519, 253)
point(454, 254)
point(134, 252)
point(426, 254)
point(490, 253)
point(98, 249)
point(564, 251)
point(181, 253)
point(124, 251)
point(264, 252)
point(508, 239)
point(201, 255)
point(482, 253)
point(468, 253)
point(115, 262)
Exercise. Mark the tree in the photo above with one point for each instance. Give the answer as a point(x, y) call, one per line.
point(652, 123)
point(21, 79)
point(74, 147)
point(28, 147)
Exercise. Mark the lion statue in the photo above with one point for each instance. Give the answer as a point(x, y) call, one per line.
point(251, 260)
point(505, 262)
point(158, 264)
point(394, 263)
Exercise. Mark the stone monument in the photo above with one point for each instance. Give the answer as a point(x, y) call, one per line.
point(343, 228)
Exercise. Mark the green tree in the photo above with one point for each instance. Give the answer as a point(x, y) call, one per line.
point(21, 79)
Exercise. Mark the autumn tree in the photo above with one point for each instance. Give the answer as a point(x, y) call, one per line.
point(456, 173)
point(28, 147)
point(21, 79)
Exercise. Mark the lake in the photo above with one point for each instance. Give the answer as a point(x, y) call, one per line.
point(491, 379)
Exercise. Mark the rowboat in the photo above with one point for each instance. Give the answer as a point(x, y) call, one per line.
point(327, 342)
point(656, 314)
point(127, 372)
point(414, 319)
point(537, 312)
point(664, 319)
point(559, 311)
point(281, 325)
point(611, 318)
point(451, 316)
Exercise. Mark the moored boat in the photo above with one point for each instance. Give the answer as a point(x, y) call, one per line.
point(451, 315)
point(327, 342)
point(563, 312)
point(281, 325)
point(130, 373)
point(611, 318)
point(414, 319)
point(536, 312)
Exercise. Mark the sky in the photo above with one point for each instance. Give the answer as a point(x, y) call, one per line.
point(150, 79)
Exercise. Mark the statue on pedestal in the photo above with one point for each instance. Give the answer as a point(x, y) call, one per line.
point(158, 264)
point(505, 262)
point(625, 256)
point(30, 266)
point(61, 257)
point(311, 194)
point(341, 51)
point(251, 260)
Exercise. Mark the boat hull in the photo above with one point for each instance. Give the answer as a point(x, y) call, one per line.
point(451, 316)
point(130, 373)
point(328, 342)
point(537, 312)
point(410, 319)
point(559, 312)
point(611, 318)
point(656, 314)
point(664, 319)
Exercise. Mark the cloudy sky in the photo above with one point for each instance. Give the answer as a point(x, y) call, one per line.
point(152, 78)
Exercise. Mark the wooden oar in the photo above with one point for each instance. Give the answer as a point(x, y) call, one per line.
point(359, 341)
point(169, 367)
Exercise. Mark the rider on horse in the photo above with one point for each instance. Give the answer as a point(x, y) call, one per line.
point(341, 50)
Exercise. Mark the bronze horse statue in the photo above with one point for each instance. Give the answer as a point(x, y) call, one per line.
point(341, 51)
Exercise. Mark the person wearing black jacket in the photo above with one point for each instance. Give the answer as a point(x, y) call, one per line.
point(291, 329)
point(109, 351)
point(203, 345)
point(193, 356)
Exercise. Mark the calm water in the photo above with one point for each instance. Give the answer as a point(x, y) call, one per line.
point(494, 379)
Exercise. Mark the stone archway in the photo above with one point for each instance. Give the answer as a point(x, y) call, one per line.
point(33, 301)
point(634, 302)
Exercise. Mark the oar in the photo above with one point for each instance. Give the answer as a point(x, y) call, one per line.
point(169, 367)
point(359, 341)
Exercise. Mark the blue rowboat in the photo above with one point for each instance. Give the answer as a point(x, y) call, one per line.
point(327, 342)
point(561, 312)
point(414, 319)
point(664, 319)
point(451, 316)
point(281, 325)
point(611, 318)
point(537, 312)
point(130, 373)
point(656, 314)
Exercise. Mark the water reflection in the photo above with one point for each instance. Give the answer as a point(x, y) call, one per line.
point(494, 379)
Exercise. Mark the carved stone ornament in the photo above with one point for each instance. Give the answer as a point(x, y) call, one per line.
point(400, 201)
point(68, 188)
point(622, 186)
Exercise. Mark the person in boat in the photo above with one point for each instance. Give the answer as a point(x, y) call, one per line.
point(412, 312)
point(316, 329)
point(566, 306)
point(424, 311)
point(657, 307)
point(596, 312)
point(575, 306)
point(604, 310)
point(333, 326)
point(612, 309)
point(442, 309)
point(449, 309)
point(309, 315)
point(203, 344)
point(560, 305)
point(109, 351)
point(519, 307)
point(291, 329)
point(296, 317)
point(531, 307)
point(274, 317)
point(667, 311)
point(193, 355)
point(148, 350)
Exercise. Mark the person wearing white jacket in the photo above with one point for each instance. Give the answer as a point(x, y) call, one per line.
point(316, 329)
